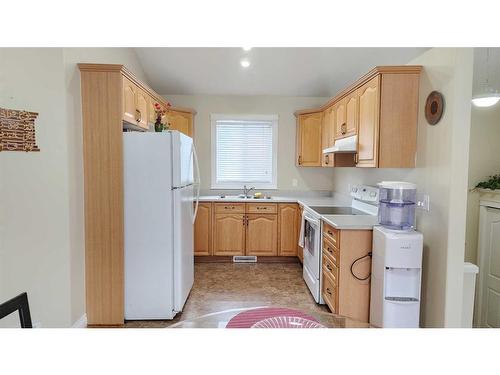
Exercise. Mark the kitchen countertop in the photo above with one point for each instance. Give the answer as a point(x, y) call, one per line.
point(356, 222)
point(353, 222)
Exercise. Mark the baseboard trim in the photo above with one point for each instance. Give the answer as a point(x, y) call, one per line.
point(260, 259)
point(81, 322)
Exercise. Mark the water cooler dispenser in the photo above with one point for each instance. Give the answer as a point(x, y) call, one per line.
point(396, 259)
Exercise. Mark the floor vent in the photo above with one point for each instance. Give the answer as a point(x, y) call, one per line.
point(244, 259)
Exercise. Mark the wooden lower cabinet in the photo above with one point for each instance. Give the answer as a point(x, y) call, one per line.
point(288, 229)
point(203, 229)
point(229, 234)
point(343, 293)
point(256, 229)
point(262, 235)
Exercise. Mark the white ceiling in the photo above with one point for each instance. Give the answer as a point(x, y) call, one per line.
point(486, 66)
point(273, 71)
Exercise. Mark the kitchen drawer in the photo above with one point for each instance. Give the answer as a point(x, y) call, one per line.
point(237, 208)
point(262, 208)
point(329, 292)
point(331, 251)
point(332, 234)
point(330, 269)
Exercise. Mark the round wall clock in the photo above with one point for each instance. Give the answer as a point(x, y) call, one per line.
point(434, 107)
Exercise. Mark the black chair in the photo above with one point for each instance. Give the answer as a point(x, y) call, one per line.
point(19, 303)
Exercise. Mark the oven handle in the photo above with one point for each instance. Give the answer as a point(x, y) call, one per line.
point(314, 222)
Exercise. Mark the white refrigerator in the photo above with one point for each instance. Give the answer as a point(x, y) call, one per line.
point(160, 208)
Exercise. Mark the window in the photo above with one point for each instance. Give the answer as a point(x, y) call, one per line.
point(244, 151)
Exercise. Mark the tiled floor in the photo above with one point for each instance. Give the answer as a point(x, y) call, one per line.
point(222, 286)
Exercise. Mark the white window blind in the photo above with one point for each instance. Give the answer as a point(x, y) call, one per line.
point(244, 151)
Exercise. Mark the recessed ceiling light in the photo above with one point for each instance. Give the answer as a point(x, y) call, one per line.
point(245, 63)
point(246, 49)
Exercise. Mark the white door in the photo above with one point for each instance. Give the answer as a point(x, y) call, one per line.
point(183, 245)
point(489, 269)
point(182, 159)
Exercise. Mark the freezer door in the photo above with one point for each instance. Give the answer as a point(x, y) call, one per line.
point(183, 245)
point(182, 159)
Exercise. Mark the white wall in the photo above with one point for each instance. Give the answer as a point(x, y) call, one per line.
point(484, 161)
point(41, 205)
point(441, 172)
point(307, 178)
point(34, 225)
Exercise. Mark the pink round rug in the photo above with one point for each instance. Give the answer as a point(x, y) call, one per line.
point(273, 317)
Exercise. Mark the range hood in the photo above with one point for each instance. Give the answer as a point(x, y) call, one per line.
point(347, 145)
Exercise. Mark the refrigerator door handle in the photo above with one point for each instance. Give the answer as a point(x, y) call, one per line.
point(198, 183)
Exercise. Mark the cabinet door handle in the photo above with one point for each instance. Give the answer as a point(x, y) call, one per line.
point(329, 232)
point(300, 159)
point(343, 128)
point(329, 291)
point(329, 267)
point(138, 116)
point(327, 159)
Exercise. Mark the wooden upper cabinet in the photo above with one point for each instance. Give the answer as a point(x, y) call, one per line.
point(398, 120)
point(309, 140)
point(142, 109)
point(129, 95)
point(203, 229)
point(340, 120)
point(181, 121)
point(135, 104)
point(288, 229)
point(351, 115)
point(326, 159)
point(262, 235)
point(369, 99)
point(382, 109)
point(229, 234)
point(331, 126)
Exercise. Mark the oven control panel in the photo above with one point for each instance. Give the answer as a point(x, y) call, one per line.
point(365, 193)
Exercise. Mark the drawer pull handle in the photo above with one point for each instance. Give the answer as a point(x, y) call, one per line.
point(329, 250)
point(330, 232)
point(329, 268)
point(329, 291)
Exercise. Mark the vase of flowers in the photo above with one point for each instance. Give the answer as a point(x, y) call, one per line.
point(161, 122)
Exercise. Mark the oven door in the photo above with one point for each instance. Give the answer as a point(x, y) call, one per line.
point(312, 255)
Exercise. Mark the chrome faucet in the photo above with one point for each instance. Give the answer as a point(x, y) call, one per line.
point(246, 191)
